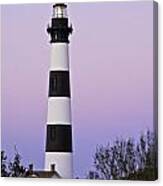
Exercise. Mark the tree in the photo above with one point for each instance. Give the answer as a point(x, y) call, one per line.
point(4, 172)
point(13, 168)
point(126, 159)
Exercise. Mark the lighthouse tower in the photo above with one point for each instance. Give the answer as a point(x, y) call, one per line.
point(59, 131)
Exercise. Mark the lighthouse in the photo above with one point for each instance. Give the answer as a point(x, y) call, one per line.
point(59, 131)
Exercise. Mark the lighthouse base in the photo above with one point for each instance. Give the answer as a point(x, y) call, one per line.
point(62, 161)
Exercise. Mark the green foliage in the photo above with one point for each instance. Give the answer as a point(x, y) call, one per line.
point(126, 159)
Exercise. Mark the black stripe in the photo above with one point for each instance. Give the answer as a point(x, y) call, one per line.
point(59, 30)
point(59, 138)
point(59, 84)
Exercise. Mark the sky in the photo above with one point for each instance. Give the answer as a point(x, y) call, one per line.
point(111, 67)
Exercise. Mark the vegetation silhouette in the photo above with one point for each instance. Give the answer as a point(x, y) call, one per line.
point(126, 159)
point(13, 168)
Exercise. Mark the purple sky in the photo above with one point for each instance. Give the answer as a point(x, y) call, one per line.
point(111, 54)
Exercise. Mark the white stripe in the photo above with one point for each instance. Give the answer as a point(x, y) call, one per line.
point(62, 161)
point(59, 56)
point(59, 110)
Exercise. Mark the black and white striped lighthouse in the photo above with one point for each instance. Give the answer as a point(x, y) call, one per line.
point(59, 131)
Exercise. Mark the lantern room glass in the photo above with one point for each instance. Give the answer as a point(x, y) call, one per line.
point(59, 11)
